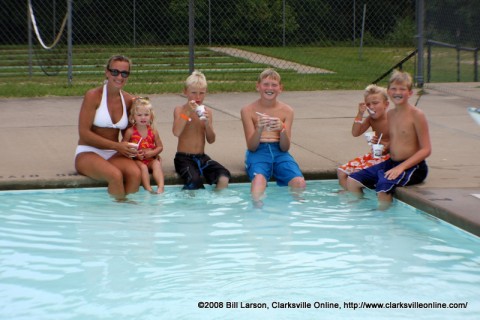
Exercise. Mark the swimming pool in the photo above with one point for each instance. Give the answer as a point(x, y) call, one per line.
point(76, 254)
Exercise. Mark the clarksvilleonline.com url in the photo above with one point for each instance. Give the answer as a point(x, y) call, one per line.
point(405, 305)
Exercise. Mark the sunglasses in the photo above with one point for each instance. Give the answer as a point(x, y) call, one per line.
point(116, 72)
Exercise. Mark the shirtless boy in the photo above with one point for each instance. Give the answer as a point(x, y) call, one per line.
point(376, 104)
point(191, 162)
point(267, 124)
point(409, 146)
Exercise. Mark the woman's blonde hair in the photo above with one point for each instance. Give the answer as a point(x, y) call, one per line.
point(119, 58)
point(140, 103)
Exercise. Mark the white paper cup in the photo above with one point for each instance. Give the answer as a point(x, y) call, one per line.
point(369, 136)
point(133, 146)
point(200, 110)
point(377, 150)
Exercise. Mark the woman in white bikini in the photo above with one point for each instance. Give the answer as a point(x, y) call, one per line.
point(100, 154)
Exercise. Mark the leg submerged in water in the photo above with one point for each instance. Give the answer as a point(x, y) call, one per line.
point(297, 187)
point(384, 200)
point(222, 183)
point(259, 184)
point(355, 187)
point(342, 179)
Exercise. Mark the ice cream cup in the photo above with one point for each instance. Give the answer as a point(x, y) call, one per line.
point(377, 150)
point(200, 110)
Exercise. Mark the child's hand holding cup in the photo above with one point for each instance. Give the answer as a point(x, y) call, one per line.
point(273, 124)
point(263, 120)
point(133, 149)
point(199, 109)
point(369, 136)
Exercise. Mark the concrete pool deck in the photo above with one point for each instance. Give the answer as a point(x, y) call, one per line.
point(39, 136)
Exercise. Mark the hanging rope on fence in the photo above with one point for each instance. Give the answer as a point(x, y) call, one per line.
point(37, 32)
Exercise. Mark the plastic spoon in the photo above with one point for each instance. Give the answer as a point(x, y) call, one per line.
point(370, 111)
point(139, 141)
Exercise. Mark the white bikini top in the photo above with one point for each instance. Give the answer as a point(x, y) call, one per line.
point(102, 116)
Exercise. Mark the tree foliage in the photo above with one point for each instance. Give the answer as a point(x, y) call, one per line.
point(246, 22)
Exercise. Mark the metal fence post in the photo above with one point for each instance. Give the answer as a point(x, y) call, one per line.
point(360, 52)
point(284, 21)
point(458, 63)
point(209, 23)
point(429, 60)
point(70, 42)
point(191, 35)
point(354, 35)
point(475, 66)
point(134, 24)
point(420, 13)
point(30, 45)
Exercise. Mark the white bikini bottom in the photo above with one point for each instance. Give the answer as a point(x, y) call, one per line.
point(104, 153)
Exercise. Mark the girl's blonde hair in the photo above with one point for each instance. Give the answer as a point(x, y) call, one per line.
point(141, 103)
point(401, 77)
point(197, 80)
point(374, 89)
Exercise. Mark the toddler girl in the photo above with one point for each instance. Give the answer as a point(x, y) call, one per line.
point(143, 134)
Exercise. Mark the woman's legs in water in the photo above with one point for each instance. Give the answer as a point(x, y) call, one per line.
point(130, 171)
point(114, 171)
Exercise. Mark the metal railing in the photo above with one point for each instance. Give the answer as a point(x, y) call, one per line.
point(458, 49)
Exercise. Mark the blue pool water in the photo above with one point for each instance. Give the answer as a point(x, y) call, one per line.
point(76, 254)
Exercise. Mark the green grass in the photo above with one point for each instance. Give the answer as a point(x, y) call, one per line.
point(159, 70)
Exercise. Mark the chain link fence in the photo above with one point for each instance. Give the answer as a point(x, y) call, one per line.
point(345, 44)
point(452, 39)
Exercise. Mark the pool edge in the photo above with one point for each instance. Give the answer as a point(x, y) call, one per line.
point(443, 204)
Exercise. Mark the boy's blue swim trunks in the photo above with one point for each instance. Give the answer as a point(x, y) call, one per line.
point(374, 176)
point(268, 160)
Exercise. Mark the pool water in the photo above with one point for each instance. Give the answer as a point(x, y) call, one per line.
point(76, 254)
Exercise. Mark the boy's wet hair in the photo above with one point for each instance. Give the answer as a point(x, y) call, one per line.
point(374, 89)
point(141, 103)
point(119, 58)
point(269, 73)
point(401, 77)
point(197, 80)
